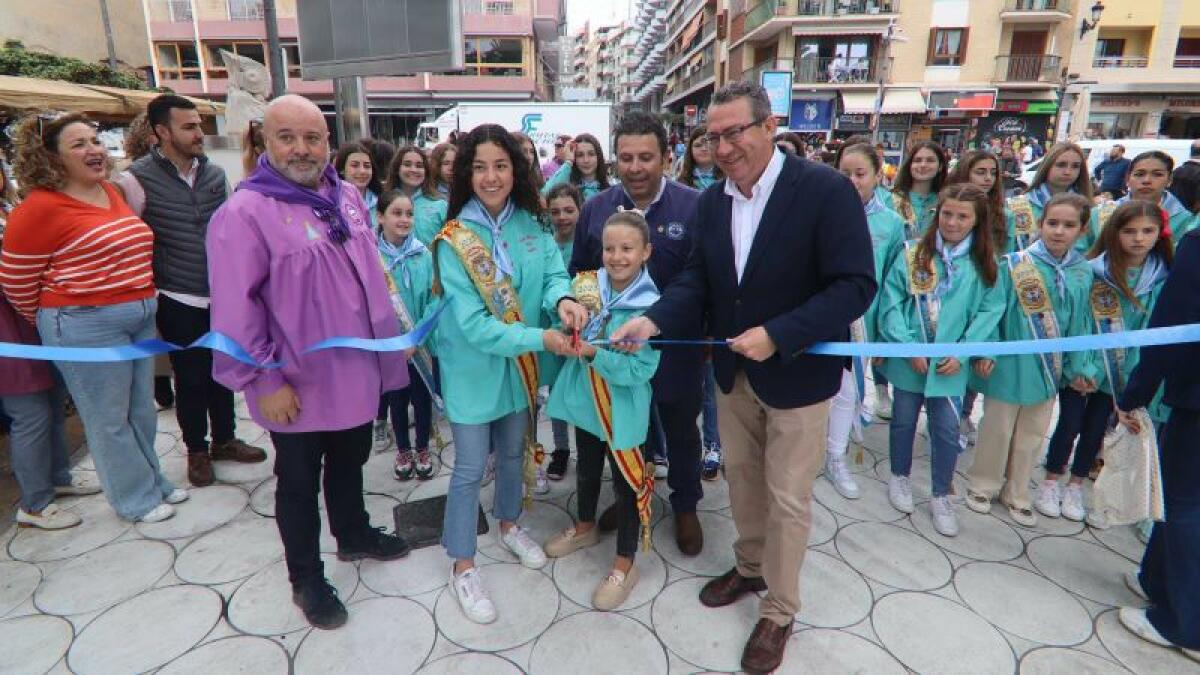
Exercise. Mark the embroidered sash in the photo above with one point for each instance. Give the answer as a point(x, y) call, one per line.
point(1106, 312)
point(586, 289)
point(501, 299)
point(421, 359)
point(1038, 305)
point(858, 333)
point(921, 284)
point(1103, 213)
point(905, 208)
point(1025, 227)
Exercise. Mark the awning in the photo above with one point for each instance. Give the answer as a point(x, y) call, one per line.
point(31, 93)
point(903, 101)
point(692, 30)
point(136, 100)
point(858, 102)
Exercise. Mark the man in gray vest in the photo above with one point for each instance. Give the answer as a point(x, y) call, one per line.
point(175, 189)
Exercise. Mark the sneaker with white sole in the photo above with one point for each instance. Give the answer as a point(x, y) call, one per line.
point(1049, 499)
point(1135, 585)
point(78, 488)
point(177, 496)
point(518, 542)
point(838, 474)
point(472, 596)
point(1136, 621)
point(1022, 516)
point(542, 484)
point(883, 402)
point(1072, 503)
point(158, 513)
point(945, 521)
point(900, 493)
point(978, 503)
point(615, 589)
point(52, 517)
point(569, 540)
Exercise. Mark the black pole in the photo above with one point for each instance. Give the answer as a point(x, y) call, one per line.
point(275, 60)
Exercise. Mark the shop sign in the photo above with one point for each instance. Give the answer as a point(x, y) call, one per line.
point(962, 100)
point(811, 114)
point(1183, 104)
point(1020, 126)
point(691, 115)
point(854, 122)
point(1027, 107)
point(898, 122)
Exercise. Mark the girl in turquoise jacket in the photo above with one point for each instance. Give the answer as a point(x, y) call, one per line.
point(410, 281)
point(699, 168)
point(606, 395)
point(940, 288)
point(1046, 289)
point(409, 173)
point(1149, 178)
point(915, 193)
point(1130, 263)
point(586, 170)
point(1063, 170)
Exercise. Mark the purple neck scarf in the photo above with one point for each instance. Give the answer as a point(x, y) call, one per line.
point(267, 181)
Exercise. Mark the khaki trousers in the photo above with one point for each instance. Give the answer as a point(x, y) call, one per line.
point(772, 456)
point(1011, 439)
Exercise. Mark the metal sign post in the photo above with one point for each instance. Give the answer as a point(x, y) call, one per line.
point(350, 103)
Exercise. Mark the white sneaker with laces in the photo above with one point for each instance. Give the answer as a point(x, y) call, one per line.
point(945, 521)
point(158, 513)
point(472, 596)
point(78, 488)
point(1135, 619)
point(1135, 585)
point(542, 484)
point(900, 493)
point(838, 474)
point(51, 518)
point(1048, 499)
point(177, 496)
point(518, 542)
point(883, 402)
point(1072, 503)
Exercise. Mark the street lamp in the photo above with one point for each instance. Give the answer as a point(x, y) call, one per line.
point(1097, 10)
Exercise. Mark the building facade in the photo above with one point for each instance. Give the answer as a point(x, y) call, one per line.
point(512, 53)
point(42, 27)
point(649, 54)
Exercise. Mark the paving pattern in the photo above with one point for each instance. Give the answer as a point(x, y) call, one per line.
point(207, 592)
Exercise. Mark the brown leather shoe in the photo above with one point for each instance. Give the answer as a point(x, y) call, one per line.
point(237, 451)
point(608, 519)
point(727, 588)
point(764, 649)
point(200, 472)
point(689, 537)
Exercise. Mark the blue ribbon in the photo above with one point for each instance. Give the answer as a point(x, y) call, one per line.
point(393, 344)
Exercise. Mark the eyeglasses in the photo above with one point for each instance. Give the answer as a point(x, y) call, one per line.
point(730, 136)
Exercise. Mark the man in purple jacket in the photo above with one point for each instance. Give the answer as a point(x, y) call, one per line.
point(292, 261)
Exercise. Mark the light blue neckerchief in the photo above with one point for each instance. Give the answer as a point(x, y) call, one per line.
point(395, 255)
point(1041, 195)
point(1038, 250)
point(443, 188)
point(639, 294)
point(948, 257)
point(703, 177)
point(475, 211)
point(1153, 273)
point(1169, 203)
point(874, 205)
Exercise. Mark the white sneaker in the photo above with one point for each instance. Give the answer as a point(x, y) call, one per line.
point(1072, 503)
point(472, 596)
point(542, 485)
point(517, 541)
point(382, 437)
point(838, 474)
point(177, 496)
point(78, 488)
point(1135, 585)
point(51, 518)
point(1048, 499)
point(900, 493)
point(945, 521)
point(158, 513)
point(883, 402)
point(1134, 619)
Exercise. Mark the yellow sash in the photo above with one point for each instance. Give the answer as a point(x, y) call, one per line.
point(1038, 306)
point(905, 208)
point(1025, 225)
point(921, 283)
point(586, 289)
point(1106, 312)
point(1104, 213)
point(502, 301)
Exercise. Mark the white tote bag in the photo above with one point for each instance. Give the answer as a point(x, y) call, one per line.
point(1129, 487)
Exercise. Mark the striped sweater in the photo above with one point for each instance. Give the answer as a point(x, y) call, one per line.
point(59, 251)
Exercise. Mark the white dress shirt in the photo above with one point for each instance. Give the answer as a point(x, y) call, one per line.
point(748, 211)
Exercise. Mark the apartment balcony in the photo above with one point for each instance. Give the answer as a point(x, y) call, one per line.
point(1036, 11)
point(686, 85)
point(1121, 62)
point(496, 17)
point(680, 52)
point(687, 10)
point(548, 18)
point(1028, 69)
point(766, 19)
point(1186, 61)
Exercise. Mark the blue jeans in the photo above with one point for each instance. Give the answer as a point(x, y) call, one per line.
point(40, 458)
point(943, 430)
point(708, 413)
point(472, 443)
point(115, 400)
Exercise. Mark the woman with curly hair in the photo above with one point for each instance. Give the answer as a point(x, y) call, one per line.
point(499, 269)
point(76, 261)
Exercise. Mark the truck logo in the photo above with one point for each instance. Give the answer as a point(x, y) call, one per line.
point(529, 122)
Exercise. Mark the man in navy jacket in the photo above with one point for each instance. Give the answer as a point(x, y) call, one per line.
point(783, 260)
point(678, 389)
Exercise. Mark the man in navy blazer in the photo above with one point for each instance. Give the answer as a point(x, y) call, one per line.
point(783, 260)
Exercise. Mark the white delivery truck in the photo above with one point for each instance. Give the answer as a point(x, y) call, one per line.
point(543, 122)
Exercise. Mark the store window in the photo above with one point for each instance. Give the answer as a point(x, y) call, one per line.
point(216, 66)
point(947, 46)
point(1114, 125)
point(494, 56)
point(178, 61)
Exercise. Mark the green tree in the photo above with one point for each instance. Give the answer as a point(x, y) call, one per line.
point(17, 61)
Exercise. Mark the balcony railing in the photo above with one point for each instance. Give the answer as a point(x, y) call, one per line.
point(1028, 68)
point(754, 73)
point(681, 16)
point(1063, 6)
point(704, 72)
point(838, 70)
point(1187, 62)
point(846, 7)
point(762, 13)
point(1121, 62)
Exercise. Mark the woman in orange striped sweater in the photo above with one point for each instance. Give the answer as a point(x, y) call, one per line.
point(76, 261)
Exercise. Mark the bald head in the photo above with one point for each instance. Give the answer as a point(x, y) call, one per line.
point(297, 139)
